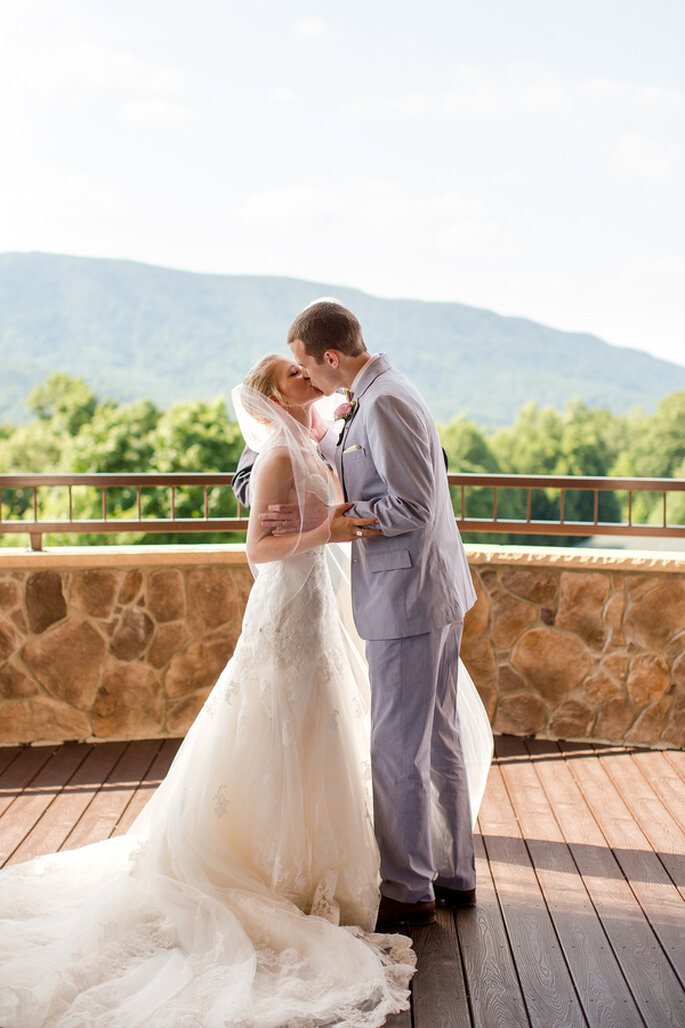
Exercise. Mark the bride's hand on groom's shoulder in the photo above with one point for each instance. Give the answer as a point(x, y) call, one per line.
point(344, 529)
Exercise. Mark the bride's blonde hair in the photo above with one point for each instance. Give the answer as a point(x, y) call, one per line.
point(262, 377)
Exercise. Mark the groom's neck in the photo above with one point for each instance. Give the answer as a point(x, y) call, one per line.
point(350, 368)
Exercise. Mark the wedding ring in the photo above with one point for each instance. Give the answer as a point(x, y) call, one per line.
point(359, 532)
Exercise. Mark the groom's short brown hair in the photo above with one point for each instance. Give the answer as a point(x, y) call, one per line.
point(327, 325)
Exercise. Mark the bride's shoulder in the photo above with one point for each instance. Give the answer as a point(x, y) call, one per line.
point(275, 460)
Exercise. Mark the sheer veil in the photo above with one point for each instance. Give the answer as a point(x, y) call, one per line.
point(281, 441)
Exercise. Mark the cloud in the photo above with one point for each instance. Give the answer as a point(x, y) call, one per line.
point(635, 157)
point(155, 112)
point(649, 97)
point(309, 28)
point(516, 91)
point(283, 95)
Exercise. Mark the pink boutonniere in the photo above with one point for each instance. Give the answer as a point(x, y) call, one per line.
point(345, 411)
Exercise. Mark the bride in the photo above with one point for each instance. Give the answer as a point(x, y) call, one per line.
point(246, 892)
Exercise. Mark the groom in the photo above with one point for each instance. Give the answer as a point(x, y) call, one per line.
point(411, 587)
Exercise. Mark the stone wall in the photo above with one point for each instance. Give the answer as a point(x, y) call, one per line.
point(112, 642)
point(579, 644)
point(106, 642)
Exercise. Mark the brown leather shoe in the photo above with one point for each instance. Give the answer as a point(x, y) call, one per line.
point(455, 897)
point(393, 914)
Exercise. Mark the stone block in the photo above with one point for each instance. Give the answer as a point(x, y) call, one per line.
point(658, 615)
point(212, 597)
point(613, 612)
point(476, 620)
point(182, 712)
point(571, 720)
point(674, 648)
point(15, 683)
point(552, 662)
point(675, 729)
point(617, 664)
point(40, 719)
point(17, 617)
point(582, 596)
point(508, 680)
point(169, 640)
point(130, 587)
point(614, 719)
point(130, 702)
point(45, 603)
point(10, 639)
point(68, 662)
point(638, 585)
point(201, 664)
point(547, 615)
point(165, 597)
point(132, 635)
point(10, 594)
point(490, 580)
point(538, 586)
point(600, 687)
point(649, 678)
point(479, 658)
point(678, 670)
point(510, 617)
point(94, 591)
point(648, 727)
point(520, 715)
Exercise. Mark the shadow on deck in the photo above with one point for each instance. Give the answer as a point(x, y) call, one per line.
point(581, 877)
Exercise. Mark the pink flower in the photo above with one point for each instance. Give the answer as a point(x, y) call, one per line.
point(344, 410)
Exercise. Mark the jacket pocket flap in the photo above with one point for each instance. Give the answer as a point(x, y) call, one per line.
point(387, 560)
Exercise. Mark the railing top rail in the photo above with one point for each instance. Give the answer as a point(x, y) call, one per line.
point(224, 478)
point(151, 478)
point(567, 482)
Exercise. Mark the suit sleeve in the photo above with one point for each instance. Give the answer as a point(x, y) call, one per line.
point(401, 450)
point(241, 477)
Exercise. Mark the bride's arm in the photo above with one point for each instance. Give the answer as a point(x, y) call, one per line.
point(272, 485)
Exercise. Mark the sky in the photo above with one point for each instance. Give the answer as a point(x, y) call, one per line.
point(523, 156)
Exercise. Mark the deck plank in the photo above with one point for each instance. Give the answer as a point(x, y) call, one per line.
point(603, 992)
point(664, 779)
point(438, 987)
point(7, 755)
point(109, 804)
point(655, 892)
point(148, 784)
point(21, 771)
point(547, 986)
point(21, 815)
point(51, 830)
point(650, 977)
point(491, 979)
point(660, 828)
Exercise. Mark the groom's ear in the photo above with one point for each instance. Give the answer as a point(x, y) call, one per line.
point(331, 358)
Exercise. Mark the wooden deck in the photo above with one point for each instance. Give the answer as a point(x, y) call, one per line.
point(581, 877)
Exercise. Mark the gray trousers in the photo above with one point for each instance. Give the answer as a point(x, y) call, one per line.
point(415, 741)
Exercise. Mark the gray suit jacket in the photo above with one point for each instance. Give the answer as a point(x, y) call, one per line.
point(415, 577)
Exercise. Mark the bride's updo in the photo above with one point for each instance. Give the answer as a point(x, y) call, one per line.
point(262, 378)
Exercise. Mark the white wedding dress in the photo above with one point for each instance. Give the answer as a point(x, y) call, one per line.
point(246, 892)
point(198, 916)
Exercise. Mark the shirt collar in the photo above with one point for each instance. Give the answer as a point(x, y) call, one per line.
point(361, 374)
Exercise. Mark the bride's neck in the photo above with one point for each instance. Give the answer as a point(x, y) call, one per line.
point(301, 414)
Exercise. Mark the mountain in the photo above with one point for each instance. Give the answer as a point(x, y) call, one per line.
point(134, 330)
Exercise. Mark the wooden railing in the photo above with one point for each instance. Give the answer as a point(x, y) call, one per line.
point(31, 521)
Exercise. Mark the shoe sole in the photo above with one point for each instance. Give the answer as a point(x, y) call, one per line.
point(453, 903)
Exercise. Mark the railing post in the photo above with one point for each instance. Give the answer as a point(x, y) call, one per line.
point(36, 540)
